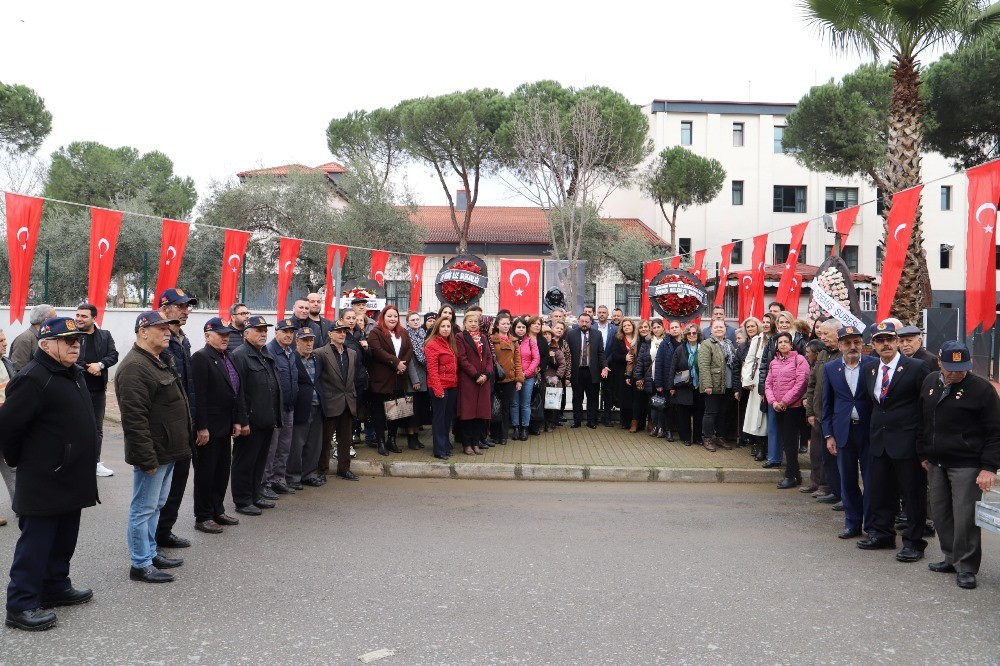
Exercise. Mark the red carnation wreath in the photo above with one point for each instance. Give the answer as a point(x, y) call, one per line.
point(681, 295)
point(364, 288)
point(460, 292)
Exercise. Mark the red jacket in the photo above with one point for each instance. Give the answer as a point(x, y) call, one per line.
point(442, 366)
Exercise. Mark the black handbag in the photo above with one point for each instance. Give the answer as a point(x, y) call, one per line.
point(498, 372)
point(658, 403)
point(682, 379)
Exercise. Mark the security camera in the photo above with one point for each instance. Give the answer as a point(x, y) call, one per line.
point(947, 247)
point(828, 223)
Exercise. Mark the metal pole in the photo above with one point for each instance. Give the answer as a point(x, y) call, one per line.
point(243, 285)
point(45, 288)
point(145, 278)
point(337, 276)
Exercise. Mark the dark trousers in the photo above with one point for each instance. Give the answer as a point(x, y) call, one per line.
point(310, 438)
point(504, 391)
point(608, 399)
point(384, 427)
point(585, 386)
point(178, 485)
point(817, 444)
point(341, 426)
point(851, 456)
point(473, 430)
point(789, 427)
point(892, 479)
point(41, 559)
point(211, 478)
point(640, 408)
point(249, 460)
point(713, 419)
point(953, 507)
point(831, 470)
point(442, 413)
point(688, 415)
point(99, 399)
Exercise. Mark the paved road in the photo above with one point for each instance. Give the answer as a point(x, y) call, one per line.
point(479, 572)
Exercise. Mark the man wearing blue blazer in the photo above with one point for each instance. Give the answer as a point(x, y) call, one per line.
point(846, 421)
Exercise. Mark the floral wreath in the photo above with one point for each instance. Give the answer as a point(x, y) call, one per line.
point(461, 281)
point(677, 294)
point(834, 278)
point(367, 289)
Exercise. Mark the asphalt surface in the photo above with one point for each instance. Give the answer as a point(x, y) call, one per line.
point(480, 572)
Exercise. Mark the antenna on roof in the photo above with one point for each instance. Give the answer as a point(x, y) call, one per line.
point(749, 95)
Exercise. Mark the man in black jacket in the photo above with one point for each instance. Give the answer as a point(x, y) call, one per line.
point(960, 450)
point(894, 386)
point(319, 324)
point(586, 369)
point(47, 432)
point(238, 314)
point(219, 415)
point(97, 354)
point(911, 343)
point(262, 405)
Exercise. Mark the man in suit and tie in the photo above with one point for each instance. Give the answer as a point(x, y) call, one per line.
point(608, 331)
point(894, 386)
point(845, 423)
point(588, 366)
point(218, 418)
point(307, 433)
point(340, 395)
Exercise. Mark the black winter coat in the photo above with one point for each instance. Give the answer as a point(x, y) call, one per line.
point(107, 353)
point(961, 429)
point(219, 405)
point(306, 389)
point(47, 432)
point(181, 353)
point(260, 385)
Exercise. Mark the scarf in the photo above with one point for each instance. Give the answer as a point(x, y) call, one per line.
point(693, 364)
point(417, 338)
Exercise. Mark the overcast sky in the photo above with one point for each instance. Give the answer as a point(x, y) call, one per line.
point(224, 86)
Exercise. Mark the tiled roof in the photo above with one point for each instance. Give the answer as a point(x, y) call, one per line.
point(328, 168)
point(331, 167)
point(526, 225)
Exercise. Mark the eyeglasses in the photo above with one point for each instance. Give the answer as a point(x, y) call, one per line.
point(692, 333)
point(243, 314)
point(71, 339)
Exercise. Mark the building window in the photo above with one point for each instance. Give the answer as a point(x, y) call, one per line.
point(397, 292)
point(997, 255)
point(880, 257)
point(867, 300)
point(879, 203)
point(686, 132)
point(628, 297)
point(789, 199)
point(946, 197)
point(737, 135)
point(590, 294)
point(737, 192)
point(781, 251)
point(737, 255)
point(850, 256)
point(945, 258)
point(683, 246)
point(839, 198)
point(779, 138)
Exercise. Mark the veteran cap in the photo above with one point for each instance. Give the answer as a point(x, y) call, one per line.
point(176, 297)
point(304, 333)
point(285, 324)
point(58, 327)
point(955, 356)
point(152, 318)
point(217, 325)
point(256, 321)
point(847, 332)
point(885, 328)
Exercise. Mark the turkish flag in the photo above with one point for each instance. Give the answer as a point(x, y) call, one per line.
point(288, 254)
point(980, 257)
point(519, 281)
point(24, 217)
point(723, 276)
point(232, 261)
point(649, 271)
point(845, 220)
point(416, 279)
point(104, 227)
point(331, 283)
point(792, 301)
point(173, 242)
point(379, 260)
point(699, 265)
point(791, 263)
point(675, 261)
point(759, 252)
point(899, 226)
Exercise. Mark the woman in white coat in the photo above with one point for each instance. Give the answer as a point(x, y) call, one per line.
point(755, 420)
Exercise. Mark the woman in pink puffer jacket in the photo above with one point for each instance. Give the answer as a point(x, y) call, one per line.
point(520, 406)
point(787, 378)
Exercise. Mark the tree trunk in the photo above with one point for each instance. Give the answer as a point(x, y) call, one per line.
point(905, 137)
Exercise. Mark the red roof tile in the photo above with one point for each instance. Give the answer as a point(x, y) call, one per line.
point(328, 168)
point(331, 167)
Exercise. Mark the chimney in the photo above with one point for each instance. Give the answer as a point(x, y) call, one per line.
point(461, 200)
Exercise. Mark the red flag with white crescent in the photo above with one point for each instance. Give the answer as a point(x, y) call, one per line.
point(24, 217)
point(899, 226)
point(288, 254)
point(980, 258)
point(792, 301)
point(791, 263)
point(104, 227)
point(380, 259)
point(649, 271)
point(759, 252)
point(173, 242)
point(699, 265)
point(747, 293)
point(723, 276)
point(331, 253)
point(233, 253)
point(519, 282)
point(675, 261)
point(416, 279)
point(845, 220)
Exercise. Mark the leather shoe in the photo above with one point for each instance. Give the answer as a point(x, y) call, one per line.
point(908, 554)
point(208, 527)
point(873, 543)
point(769, 464)
point(786, 483)
point(268, 494)
point(315, 483)
point(811, 488)
point(226, 519)
point(70, 597)
point(828, 499)
point(264, 504)
point(282, 489)
point(149, 575)
point(849, 533)
point(172, 541)
point(161, 562)
point(592, 426)
point(576, 424)
point(348, 475)
point(295, 485)
point(839, 506)
point(248, 510)
point(966, 580)
point(941, 567)
point(35, 619)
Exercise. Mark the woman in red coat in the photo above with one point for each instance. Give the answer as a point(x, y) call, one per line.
point(391, 352)
point(475, 368)
point(441, 354)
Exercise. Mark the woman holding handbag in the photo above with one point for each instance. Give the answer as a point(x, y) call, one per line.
point(556, 371)
point(508, 373)
point(387, 374)
point(441, 354)
point(417, 376)
point(682, 385)
point(475, 370)
point(755, 419)
point(715, 359)
point(622, 364)
point(785, 386)
point(657, 338)
point(535, 332)
point(527, 351)
point(642, 389)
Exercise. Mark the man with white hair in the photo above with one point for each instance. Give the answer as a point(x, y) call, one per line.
point(23, 347)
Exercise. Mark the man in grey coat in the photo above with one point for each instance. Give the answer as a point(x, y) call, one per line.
point(22, 349)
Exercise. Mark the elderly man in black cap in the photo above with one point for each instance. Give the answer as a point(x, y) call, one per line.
point(46, 408)
point(307, 433)
point(218, 419)
point(340, 396)
point(911, 342)
point(175, 305)
point(961, 452)
point(282, 349)
point(261, 389)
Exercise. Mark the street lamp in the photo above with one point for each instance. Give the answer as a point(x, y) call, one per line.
point(831, 226)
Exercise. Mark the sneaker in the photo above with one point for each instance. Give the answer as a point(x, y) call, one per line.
point(104, 471)
point(354, 454)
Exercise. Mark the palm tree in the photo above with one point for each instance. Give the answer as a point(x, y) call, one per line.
point(902, 30)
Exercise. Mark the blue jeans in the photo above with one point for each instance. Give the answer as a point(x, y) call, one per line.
point(773, 437)
point(149, 494)
point(520, 406)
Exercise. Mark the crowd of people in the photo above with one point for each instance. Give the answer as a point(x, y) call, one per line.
point(260, 418)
